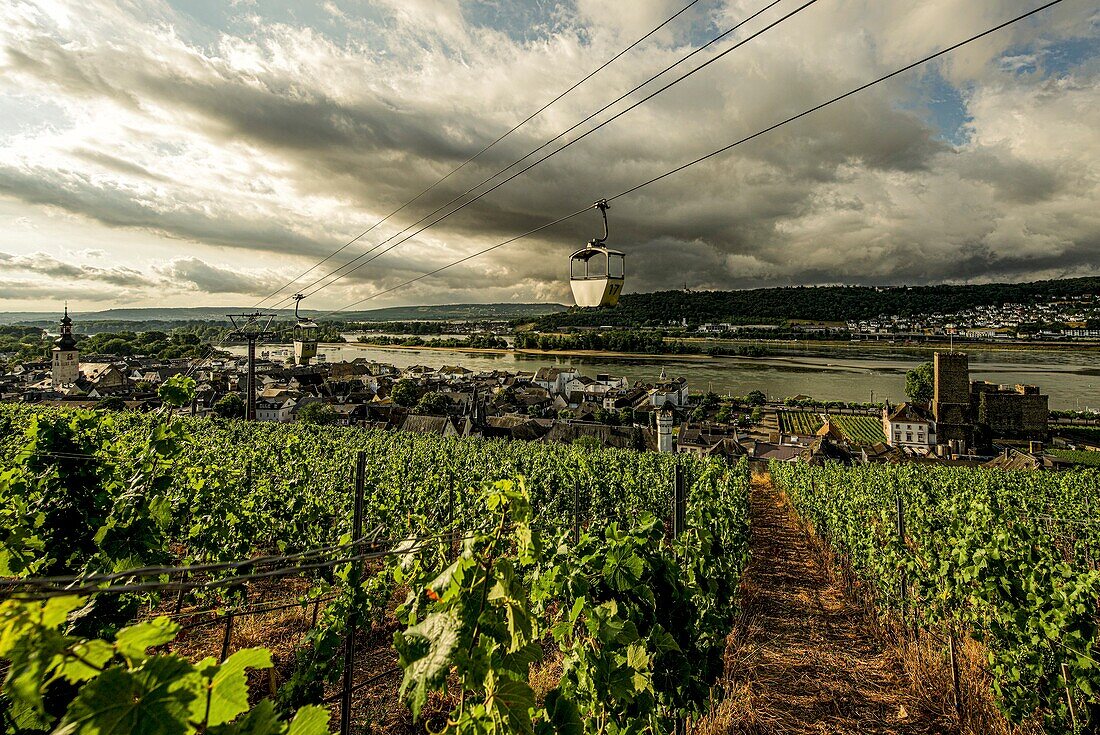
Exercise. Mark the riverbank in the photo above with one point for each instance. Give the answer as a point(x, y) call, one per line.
point(772, 348)
point(597, 354)
point(902, 346)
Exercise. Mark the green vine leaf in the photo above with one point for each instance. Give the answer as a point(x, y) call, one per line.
point(229, 687)
point(152, 700)
point(425, 652)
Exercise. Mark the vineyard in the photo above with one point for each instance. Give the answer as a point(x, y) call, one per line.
point(233, 577)
point(1090, 459)
point(473, 585)
point(800, 422)
point(858, 429)
point(862, 430)
point(1008, 558)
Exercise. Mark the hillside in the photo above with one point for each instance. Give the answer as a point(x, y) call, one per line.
point(826, 303)
point(165, 317)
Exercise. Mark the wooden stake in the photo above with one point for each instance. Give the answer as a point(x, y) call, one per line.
point(1069, 697)
point(954, 673)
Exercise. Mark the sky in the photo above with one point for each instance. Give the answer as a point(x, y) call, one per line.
point(206, 152)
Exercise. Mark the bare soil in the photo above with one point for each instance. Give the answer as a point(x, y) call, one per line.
point(805, 657)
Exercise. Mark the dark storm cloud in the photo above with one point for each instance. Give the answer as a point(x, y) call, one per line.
point(867, 191)
point(76, 193)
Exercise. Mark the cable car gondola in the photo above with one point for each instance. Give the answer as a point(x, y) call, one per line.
point(305, 335)
point(596, 273)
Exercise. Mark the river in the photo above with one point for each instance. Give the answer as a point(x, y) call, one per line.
point(1070, 378)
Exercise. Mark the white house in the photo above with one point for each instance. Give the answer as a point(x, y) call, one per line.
point(554, 379)
point(674, 392)
point(909, 425)
point(275, 409)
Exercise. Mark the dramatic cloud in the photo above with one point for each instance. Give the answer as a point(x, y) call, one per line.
point(224, 149)
point(46, 265)
point(212, 279)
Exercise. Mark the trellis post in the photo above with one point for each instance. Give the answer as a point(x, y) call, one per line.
point(353, 581)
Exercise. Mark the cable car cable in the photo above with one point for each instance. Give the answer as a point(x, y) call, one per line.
point(553, 153)
point(714, 153)
point(477, 155)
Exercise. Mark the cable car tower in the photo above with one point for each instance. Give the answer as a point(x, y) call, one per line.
point(305, 335)
point(596, 273)
point(251, 328)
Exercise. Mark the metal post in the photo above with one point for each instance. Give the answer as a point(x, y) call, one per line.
point(576, 512)
point(250, 398)
point(183, 587)
point(353, 581)
point(451, 503)
point(227, 637)
point(954, 673)
point(679, 501)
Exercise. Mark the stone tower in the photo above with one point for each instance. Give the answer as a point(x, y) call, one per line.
point(66, 358)
point(664, 430)
point(951, 400)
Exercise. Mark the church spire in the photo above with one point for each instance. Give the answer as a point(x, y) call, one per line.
point(66, 341)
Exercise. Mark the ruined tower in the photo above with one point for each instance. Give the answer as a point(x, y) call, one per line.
point(951, 400)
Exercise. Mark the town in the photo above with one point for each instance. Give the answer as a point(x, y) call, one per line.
point(1074, 319)
point(956, 421)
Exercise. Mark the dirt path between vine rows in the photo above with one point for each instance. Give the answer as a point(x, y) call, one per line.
point(804, 658)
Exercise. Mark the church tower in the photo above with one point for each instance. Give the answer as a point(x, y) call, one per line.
point(66, 358)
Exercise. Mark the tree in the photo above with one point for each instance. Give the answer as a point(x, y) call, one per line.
point(230, 407)
point(757, 415)
point(604, 416)
point(756, 398)
point(920, 383)
point(587, 442)
point(318, 413)
point(725, 415)
point(405, 393)
point(110, 403)
point(432, 403)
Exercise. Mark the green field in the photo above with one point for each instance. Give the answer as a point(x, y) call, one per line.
point(860, 429)
point(1091, 433)
point(1090, 459)
point(799, 422)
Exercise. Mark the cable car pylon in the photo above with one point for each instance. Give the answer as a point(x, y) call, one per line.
point(596, 272)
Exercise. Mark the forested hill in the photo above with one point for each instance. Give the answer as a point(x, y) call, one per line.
point(825, 303)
